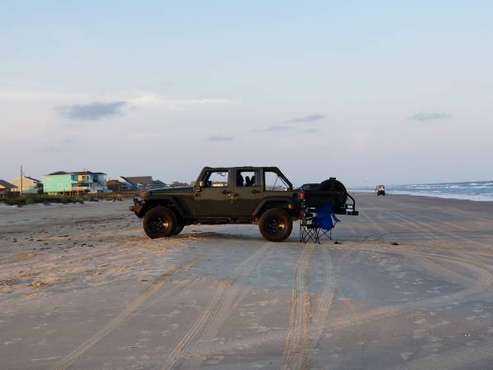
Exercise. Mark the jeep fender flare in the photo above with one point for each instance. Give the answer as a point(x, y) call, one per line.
point(273, 202)
point(171, 202)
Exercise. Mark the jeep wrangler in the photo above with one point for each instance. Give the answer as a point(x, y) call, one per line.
point(234, 195)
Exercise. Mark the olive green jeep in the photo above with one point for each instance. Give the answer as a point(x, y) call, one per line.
point(226, 195)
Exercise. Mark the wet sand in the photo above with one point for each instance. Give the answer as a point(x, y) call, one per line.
point(408, 286)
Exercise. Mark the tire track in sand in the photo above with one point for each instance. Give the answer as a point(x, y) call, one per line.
point(436, 231)
point(324, 303)
point(471, 258)
point(376, 225)
point(135, 304)
point(481, 281)
point(298, 341)
point(457, 358)
point(217, 310)
point(232, 298)
point(318, 323)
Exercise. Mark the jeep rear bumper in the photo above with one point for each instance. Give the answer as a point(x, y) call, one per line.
point(350, 209)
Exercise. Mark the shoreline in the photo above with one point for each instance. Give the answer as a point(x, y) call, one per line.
point(478, 199)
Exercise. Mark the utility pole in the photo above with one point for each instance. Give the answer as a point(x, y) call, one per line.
point(22, 179)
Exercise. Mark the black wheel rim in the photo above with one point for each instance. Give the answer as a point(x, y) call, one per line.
point(275, 226)
point(159, 225)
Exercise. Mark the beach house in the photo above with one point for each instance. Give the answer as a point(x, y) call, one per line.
point(74, 182)
point(7, 187)
point(143, 182)
point(29, 185)
point(120, 184)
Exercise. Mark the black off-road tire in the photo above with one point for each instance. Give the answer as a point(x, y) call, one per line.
point(179, 228)
point(160, 222)
point(275, 225)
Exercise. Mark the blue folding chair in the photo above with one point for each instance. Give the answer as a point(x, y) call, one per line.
point(317, 223)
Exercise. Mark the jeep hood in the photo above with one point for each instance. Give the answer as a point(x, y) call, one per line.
point(184, 189)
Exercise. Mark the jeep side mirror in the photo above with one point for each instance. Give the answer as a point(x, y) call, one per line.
point(199, 185)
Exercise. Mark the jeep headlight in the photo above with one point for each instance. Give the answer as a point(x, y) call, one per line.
point(139, 199)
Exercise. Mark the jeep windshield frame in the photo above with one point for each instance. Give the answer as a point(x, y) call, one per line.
point(276, 171)
point(279, 173)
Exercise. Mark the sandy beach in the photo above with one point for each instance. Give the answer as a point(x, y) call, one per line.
point(408, 285)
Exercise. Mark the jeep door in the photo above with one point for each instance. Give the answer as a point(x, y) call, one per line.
point(247, 191)
point(213, 199)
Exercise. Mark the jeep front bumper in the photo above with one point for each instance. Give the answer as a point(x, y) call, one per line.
point(138, 207)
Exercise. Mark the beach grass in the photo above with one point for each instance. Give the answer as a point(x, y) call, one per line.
point(26, 199)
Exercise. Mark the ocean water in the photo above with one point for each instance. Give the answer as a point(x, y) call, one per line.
point(471, 190)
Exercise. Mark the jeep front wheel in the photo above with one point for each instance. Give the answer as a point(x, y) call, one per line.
point(159, 222)
point(179, 228)
point(276, 225)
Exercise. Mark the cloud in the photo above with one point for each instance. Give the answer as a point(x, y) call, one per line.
point(285, 128)
point(93, 111)
point(273, 128)
point(276, 128)
point(137, 98)
point(309, 118)
point(288, 125)
point(220, 138)
point(310, 130)
point(429, 116)
point(148, 99)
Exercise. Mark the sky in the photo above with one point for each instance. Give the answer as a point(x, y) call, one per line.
point(369, 92)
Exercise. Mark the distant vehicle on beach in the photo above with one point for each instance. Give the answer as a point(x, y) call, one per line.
point(380, 189)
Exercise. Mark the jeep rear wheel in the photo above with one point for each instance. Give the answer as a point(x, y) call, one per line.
point(276, 225)
point(159, 222)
